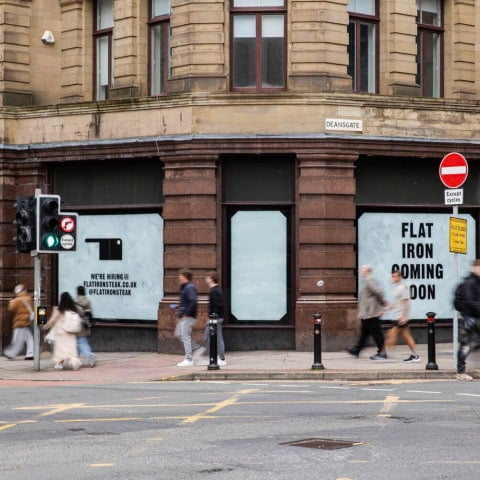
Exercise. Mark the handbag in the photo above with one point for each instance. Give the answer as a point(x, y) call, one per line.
point(50, 336)
point(72, 323)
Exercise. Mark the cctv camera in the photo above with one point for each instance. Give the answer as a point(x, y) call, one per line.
point(48, 38)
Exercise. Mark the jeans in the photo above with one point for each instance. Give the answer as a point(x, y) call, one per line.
point(183, 331)
point(85, 350)
point(220, 342)
point(467, 337)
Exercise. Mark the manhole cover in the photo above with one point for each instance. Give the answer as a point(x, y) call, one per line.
point(322, 443)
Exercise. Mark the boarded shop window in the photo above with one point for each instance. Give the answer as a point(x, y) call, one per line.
point(104, 184)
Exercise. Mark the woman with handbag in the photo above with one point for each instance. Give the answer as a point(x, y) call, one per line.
point(65, 323)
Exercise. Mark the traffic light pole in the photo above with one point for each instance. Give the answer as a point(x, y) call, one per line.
point(37, 291)
point(37, 288)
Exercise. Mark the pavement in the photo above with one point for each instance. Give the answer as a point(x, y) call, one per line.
point(121, 367)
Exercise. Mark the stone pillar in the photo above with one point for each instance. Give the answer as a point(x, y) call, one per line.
point(398, 50)
point(459, 47)
point(77, 51)
point(319, 39)
point(326, 249)
point(198, 46)
point(15, 88)
point(191, 237)
point(130, 49)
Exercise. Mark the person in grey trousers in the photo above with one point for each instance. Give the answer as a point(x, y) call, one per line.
point(187, 315)
point(371, 304)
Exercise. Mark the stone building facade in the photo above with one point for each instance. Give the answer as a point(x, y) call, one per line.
point(290, 118)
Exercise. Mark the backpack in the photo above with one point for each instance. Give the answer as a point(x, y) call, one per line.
point(460, 297)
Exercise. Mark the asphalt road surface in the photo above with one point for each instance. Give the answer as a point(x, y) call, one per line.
point(207, 430)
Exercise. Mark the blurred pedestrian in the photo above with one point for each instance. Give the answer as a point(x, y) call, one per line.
point(469, 321)
point(401, 307)
point(371, 304)
point(21, 309)
point(84, 308)
point(65, 340)
point(187, 315)
point(215, 306)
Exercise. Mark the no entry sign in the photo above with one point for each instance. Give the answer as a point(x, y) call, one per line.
point(453, 170)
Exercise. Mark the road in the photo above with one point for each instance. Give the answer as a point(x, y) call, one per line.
point(230, 431)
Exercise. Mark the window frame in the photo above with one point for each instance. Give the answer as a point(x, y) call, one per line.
point(259, 12)
point(97, 34)
point(162, 21)
point(422, 30)
point(358, 19)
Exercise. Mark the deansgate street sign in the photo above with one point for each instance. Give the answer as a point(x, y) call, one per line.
point(453, 170)
point(351, 125)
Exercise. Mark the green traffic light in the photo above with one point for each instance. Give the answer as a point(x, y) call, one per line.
point(50, 241)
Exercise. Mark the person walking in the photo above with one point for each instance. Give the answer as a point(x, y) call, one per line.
point(20, 308)
point(84, 308)
point(65, 342)
point(401, 307)
point(215, 306)
point(187, 315)
point(469, 321)
point(371, 304)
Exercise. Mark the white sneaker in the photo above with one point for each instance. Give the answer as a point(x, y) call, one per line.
point(185, 363)
point(221, 362)
point(464, 377)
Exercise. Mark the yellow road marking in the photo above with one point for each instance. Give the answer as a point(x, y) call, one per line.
point(9, 425)
point(88, 420)
point(102, 465)
point(219, 406)
point(389, 403)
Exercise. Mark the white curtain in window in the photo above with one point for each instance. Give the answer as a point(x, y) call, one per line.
point(160, 7)
point(258, 3)
point(272, 26)
point(104, 14)
point(244, 26)
point(367, 7)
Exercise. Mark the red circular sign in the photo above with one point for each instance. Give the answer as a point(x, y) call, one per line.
point(67, 224)
point(453, 170)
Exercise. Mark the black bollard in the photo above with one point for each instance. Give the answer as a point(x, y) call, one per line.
point(212, 330)
point(431, 365)
point(317, 342)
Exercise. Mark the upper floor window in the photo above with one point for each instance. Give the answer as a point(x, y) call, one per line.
point(103, 48)
point(362, 45)
point(159, 69)
point(429, 47)
point(258, 45)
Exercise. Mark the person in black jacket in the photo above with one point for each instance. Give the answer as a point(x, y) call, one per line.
point(470, 321)
point(187, 315)
point(215, 305)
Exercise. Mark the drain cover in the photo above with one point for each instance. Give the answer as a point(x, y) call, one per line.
point(322, 443)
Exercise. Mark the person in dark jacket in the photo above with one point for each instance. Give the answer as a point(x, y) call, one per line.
point(215, 306)
point(470, 320)
point(187, 315)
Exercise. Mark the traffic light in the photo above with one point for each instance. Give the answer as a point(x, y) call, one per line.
point(48, 217)
point(26, 224)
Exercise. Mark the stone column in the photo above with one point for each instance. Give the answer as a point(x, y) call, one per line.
point(198, 46)
point(191, 237)
point(398, 47)
point(15, 88)
point(326, 249)
point(459, 47)
point(319, 39)
point(130, 49)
